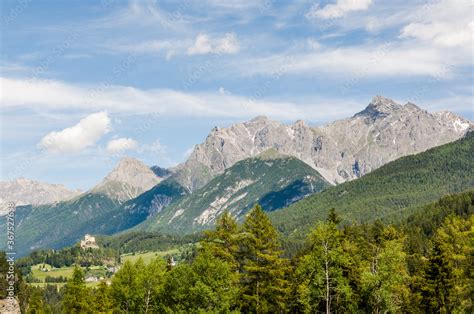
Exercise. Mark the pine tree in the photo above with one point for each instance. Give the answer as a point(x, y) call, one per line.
point(333, 217)
point(264, 287)
point(450, 277)
point(223, 241)
point(76, 295)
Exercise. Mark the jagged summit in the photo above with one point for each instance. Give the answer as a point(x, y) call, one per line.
point(128, 179)
point(342, 150)
point(380, 107)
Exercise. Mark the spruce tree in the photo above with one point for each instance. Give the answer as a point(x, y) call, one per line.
point(264, 287)
point(450, 276)
point(223, 241)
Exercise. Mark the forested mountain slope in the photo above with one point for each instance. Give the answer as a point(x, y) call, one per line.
point(390, 192)
point(270, 179)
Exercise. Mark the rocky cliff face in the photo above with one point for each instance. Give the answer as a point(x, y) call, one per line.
point(127, 180)
point(340, 151)
point(29, 192)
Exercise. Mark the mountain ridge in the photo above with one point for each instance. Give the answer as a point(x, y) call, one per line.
point(341, 151)
point(24, 191)
point(270, 178)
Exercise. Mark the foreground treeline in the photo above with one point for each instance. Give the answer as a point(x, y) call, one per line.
point(424, 265)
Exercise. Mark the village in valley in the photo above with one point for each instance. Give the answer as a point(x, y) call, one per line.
point(99, 264)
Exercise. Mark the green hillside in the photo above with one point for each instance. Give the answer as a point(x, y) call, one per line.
point(390, 192)
point(137, 210)
point(61, 224)
point(64, 223)
point(271, 179)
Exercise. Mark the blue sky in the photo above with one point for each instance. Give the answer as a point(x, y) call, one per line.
point(84, 83)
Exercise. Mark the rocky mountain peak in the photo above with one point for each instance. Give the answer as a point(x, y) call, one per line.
point(380, 107)
point(133, 172)
point(342, 150)
point(128, 179)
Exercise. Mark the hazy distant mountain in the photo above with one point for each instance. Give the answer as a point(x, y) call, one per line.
point(65, 222)
point(270, 179)
point(340, 151)
point(24, 192)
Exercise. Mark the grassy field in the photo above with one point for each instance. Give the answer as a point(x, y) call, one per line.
point(52, 272)
point(148, 256)
point(65, 272)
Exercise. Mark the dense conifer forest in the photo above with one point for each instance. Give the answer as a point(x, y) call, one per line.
point(423, 264)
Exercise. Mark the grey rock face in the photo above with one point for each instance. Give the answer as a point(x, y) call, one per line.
point(29, 192)
point(127, 180)
point(340, 151)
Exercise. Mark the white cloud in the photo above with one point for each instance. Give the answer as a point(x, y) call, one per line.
point(339, 9)
point(442, 23)
point(119, 145)
point(56, 95)
point(442, 34)
point(204, 44)
point(78, 137)
point(362, 61)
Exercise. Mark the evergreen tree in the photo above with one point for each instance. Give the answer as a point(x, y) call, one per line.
point(264, 287)
point(223, 241)
point(76, 295)
point(333, 217)
point(450, 277)
point(323, 286)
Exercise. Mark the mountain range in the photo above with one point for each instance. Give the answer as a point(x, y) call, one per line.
point(289, 169)
point(23, 191)
point(340, 151)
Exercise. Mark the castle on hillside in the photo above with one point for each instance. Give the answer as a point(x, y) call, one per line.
point(89, 242)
